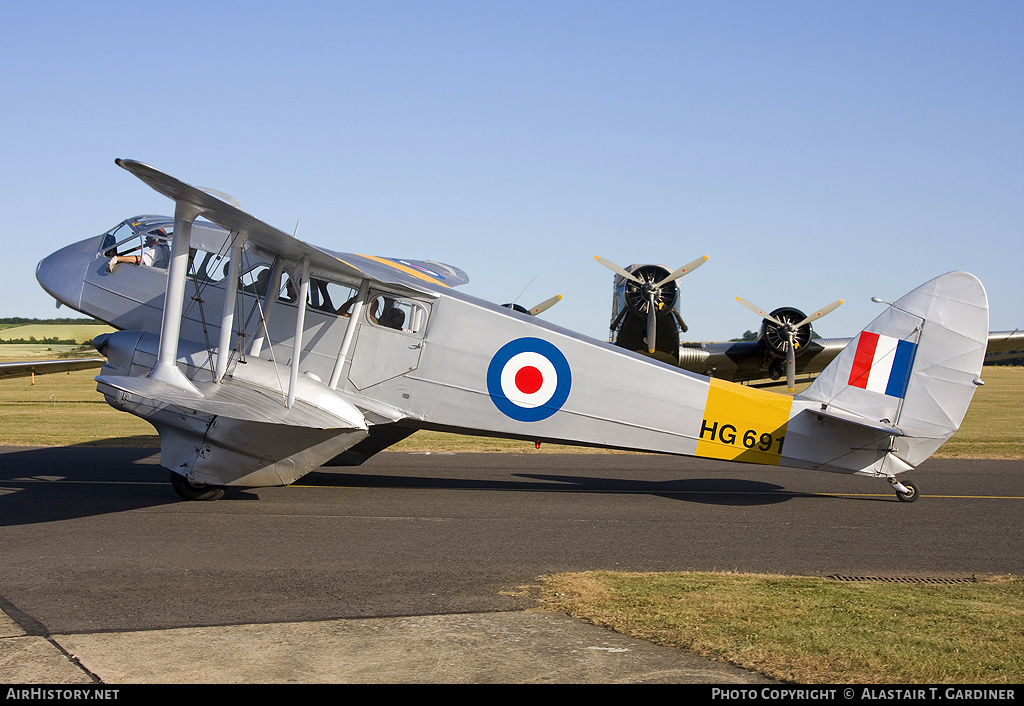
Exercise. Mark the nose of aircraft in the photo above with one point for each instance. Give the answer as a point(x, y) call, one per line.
point(62, 274)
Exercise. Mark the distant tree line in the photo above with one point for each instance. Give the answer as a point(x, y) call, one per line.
point(21, 321)
point(747, 336)
point(44, 341)
point(1017, 360)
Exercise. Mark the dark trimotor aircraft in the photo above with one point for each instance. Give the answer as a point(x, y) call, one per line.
point(646, 309)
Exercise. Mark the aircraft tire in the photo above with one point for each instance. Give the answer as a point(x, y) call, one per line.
point(908, 497)
point(190, 491)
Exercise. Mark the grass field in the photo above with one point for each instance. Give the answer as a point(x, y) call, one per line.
point(12, 352)
point(79, 333)
point(814, 630)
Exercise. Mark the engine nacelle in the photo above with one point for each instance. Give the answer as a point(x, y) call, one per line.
point(633, 296)
point(774, 344)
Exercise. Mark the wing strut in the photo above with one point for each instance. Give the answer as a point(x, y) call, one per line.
point(227, 318)
point(346, 343)
point(166, 369)
point(300, 318)
point(269, 299)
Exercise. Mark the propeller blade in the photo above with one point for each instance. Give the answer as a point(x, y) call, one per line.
point(652, 325)
point(616, 269)
point(545, 305)
point(759, 311)
point(684, 270)
point(791, 361)
point(818, 314)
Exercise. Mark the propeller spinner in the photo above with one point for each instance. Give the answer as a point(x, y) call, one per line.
point(788, 330)
point(648, 296)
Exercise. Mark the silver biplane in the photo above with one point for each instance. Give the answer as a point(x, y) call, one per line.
point(259, 357)
point(647, 318)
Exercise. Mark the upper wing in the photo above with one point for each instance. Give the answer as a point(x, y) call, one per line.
point(744, 361)
point(415, 274)
point(403, 271)
point(41, 367)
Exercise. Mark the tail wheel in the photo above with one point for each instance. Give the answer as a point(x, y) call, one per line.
point(909, 496)
point(188, 490)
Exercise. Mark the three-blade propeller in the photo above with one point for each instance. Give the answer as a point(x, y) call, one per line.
point(788, 330)
point(652, 291)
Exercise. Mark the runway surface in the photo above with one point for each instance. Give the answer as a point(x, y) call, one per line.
point(95, 541)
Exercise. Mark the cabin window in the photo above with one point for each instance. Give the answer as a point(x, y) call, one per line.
point(331, 297)
point(256, 281)
point(116, 236)
point(207, 266)
point(399, 314)
point(323, 296)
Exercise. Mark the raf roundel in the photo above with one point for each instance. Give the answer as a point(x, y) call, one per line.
point(528, 379)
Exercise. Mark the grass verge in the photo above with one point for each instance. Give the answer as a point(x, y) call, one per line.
point(814, 630)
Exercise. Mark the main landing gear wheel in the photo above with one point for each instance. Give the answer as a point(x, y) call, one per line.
point(191, 491)
point(909, 496)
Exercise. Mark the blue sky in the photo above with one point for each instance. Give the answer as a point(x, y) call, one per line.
point(813, 150)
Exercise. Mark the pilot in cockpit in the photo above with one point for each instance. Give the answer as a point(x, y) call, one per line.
point(155, 254)
point(392, 316)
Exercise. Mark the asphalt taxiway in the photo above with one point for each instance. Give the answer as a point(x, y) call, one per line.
point(417, 567)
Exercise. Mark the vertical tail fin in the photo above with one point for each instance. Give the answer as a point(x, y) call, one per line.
point(915, 367)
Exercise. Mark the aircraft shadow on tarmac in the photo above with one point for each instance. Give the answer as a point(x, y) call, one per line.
point(714, 491)
point(57, 483)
